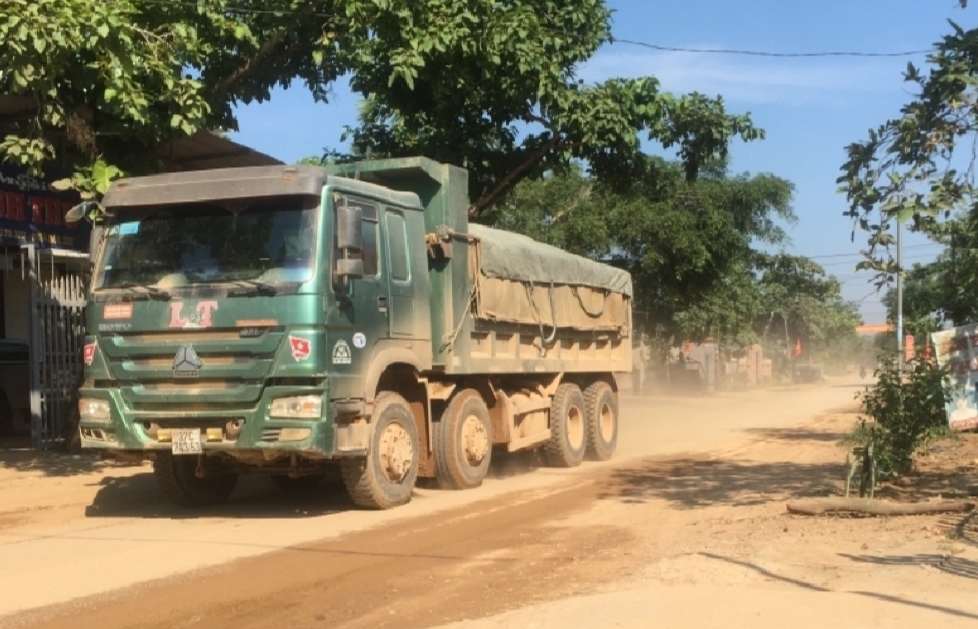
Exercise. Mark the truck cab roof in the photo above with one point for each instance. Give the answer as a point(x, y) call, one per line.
point(243, 183)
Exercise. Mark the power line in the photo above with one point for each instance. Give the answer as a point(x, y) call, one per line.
point(630, 42)
point(757, 53)
point(919, 255)
point(860, 255)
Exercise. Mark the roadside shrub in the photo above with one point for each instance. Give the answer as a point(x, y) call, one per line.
point(901, 413)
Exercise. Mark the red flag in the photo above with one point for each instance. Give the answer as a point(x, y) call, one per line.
point(301, 348)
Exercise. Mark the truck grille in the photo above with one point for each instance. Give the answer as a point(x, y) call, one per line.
point(232, 368)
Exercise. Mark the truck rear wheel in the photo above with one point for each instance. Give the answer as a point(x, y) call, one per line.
point(177, 477)
point(463, 442)
point(568, 427)
point(601, 405)
point(385, 477)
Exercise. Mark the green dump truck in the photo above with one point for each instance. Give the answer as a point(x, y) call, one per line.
point(283, 320)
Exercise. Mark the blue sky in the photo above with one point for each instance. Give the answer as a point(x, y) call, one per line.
point(811, 108)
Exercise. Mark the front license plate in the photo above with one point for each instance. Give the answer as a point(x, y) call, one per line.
point(186, 441)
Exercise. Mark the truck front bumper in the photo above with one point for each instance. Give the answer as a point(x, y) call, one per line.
point(223, 426)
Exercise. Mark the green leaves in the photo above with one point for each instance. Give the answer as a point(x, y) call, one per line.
point(908, 170)
point(489, 86)
point(905, 410)
point(91, 182)
point(71, 58)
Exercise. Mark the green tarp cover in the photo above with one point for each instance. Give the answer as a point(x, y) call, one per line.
point(510, 256)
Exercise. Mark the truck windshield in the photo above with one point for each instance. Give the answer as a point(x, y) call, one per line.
point(267, 241)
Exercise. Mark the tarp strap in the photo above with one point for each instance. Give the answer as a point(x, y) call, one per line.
point(546, 341)
point(593, 315)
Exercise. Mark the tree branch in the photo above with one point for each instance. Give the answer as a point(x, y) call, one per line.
point(512, 178)
point(261, 54)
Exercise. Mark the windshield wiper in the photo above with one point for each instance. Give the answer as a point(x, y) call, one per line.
point(255, 287)
point(146, 290)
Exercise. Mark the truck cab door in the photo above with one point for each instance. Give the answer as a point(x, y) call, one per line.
point(368, 305)
point(401, 301)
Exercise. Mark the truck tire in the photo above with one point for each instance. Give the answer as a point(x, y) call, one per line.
point(177, 477)
point(463, 442)
point(568, 428)
point(601, 405)
point(385, 477)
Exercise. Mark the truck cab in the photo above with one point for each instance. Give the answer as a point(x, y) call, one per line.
point(222, 317)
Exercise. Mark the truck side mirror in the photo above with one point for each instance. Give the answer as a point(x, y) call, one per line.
point(349, 239)
point(349, 228)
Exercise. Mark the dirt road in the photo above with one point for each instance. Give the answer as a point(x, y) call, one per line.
point(681, 525)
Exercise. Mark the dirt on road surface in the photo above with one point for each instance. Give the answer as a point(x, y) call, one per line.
point(684, 538)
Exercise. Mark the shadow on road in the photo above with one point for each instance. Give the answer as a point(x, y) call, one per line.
point(795, 434)
point(876, 595)
point(693, 483)
point(961, 528)
point(254, 497)
point(957, 566)
point(48, 463)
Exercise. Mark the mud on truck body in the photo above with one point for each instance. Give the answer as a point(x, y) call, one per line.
point(286, 319)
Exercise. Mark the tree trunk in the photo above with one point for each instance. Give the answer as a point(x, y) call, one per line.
point(819, 506)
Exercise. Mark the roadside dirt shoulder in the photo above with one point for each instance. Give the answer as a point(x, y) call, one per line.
point(714, 544)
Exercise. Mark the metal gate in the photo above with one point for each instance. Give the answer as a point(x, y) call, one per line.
point(58, 281)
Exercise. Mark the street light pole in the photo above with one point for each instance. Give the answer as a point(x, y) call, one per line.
point(899, 313)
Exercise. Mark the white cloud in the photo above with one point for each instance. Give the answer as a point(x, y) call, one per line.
point(751, 79)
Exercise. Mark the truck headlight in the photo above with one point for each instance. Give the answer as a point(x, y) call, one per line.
point(94, 410)
point(298, 407)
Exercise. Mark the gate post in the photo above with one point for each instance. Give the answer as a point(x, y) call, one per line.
point(35, 352)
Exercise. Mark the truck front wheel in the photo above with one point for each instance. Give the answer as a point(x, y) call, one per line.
point(463, 442)
point(601, 404)
point(386, 477)
point(177, 477)
point(566, 446)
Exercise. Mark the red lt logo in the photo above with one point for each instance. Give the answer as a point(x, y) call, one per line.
point(199, 317)
point(301, 348)
point(88, 353)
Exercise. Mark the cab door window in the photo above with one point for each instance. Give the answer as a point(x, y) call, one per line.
point(397, 245)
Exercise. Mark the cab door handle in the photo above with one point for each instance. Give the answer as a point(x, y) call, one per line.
point(382, 304)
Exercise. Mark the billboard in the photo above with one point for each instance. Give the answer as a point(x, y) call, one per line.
point(957, 350)
point(32, 212)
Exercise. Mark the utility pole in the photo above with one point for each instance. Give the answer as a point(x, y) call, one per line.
point(899, 313)
point(952, 285)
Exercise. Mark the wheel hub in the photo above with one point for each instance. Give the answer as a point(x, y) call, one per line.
point(395, 452)
point(475, 441)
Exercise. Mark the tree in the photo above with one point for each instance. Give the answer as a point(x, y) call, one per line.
point(802, 304)
point(442, 78)
point(944, 291)
point(909, 169)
